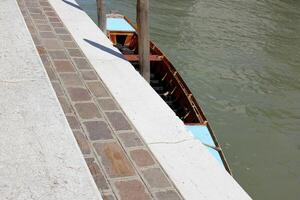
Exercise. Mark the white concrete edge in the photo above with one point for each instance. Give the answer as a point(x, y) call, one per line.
point(196, 174)
point(44, 159)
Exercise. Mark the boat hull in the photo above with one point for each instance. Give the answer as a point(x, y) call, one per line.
point(167, 82)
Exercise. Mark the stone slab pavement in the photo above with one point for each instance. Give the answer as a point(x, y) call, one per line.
point(39, 156)
point(121, 164)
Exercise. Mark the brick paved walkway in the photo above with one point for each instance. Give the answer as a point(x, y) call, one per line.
point(121, 164)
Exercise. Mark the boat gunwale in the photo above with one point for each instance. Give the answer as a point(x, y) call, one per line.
point(187, 92)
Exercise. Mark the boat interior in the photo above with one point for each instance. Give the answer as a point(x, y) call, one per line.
point(167, 82)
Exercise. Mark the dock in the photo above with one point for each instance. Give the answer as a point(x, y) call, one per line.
point(79, 122)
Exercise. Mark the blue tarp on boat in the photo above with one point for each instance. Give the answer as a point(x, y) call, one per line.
point(202, 134)
point(118, 24)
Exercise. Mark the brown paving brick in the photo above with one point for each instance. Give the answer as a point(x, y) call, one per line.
point(28, 21)
point(44, 4)
point(93, 165)
point(24, 12)
point(130, 139)
point(36, 40)
point(142, 158)
point(78, 94)
point(81, 63)
point(51, 73)
point(87, 110)
point(99, 182)
point(41, 50)
point(118, 121)
point(32, 4)
point(97, 174)
point(98, 130)
point(61, 31)
point(97, 89)
point(114, 160)
point(89, 75)
point(45, 60)
point(63, 66)
point(43, 27)
point(37, 16)
point(51, 44)
point(65, 105)
point(55, 55)
point(71, 79)
point(167, 195)
point(107, 104)
point(132, 190)
point(156, 178)
point(75, 53)
point(57, 88)
point(70, 44)
point(35, 10)
point(65, 37)
point(54, 19)
point(47, 9)
point(40, 21)
point(47, 34)
point(57, 24)
point(31, 29)
point(50, 13)
point(82, 142)
point(108, 197)
point(73, 122)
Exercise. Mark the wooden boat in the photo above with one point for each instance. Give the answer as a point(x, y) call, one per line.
point(167, 82)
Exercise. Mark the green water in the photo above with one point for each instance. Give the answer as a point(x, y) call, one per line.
point(241, 59)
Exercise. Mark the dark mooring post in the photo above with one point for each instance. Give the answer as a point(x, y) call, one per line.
point(142, 11)
point(101, 15)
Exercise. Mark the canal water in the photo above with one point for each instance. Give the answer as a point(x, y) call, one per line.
point(241, 59)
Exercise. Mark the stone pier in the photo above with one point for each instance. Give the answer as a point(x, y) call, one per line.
point(59, 92)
